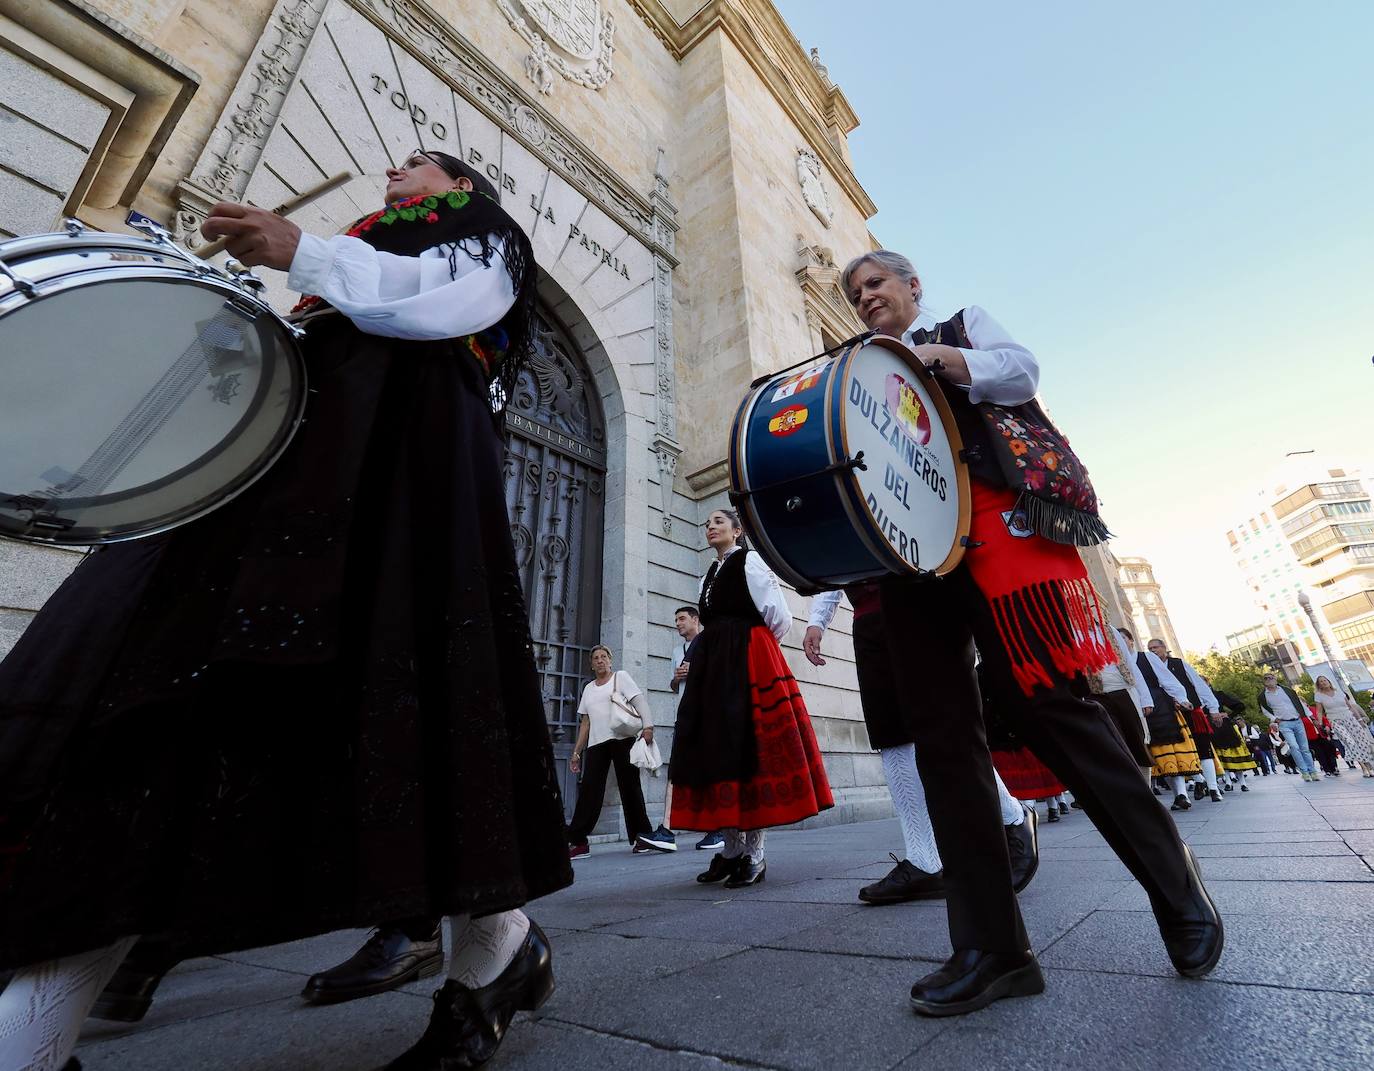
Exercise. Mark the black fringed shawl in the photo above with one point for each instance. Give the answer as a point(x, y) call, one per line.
point(411, 226)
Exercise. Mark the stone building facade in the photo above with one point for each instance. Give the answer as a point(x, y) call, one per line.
point(683, 171)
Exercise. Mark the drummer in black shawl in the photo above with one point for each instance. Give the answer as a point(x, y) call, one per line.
point(316, 707)
point(1021, 594)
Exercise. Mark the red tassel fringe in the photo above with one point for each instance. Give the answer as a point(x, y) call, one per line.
point(1060, 617)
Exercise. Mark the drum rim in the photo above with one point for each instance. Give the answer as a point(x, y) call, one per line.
point(176, 273)
point(745, 502)
point(964, 520)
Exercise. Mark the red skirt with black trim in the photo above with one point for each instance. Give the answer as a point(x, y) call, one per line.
point(1026, 777)
point(790, 783)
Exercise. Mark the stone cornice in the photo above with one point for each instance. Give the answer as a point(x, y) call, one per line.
point(758, 30)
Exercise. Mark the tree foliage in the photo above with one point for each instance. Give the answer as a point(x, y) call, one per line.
point(1231, 674)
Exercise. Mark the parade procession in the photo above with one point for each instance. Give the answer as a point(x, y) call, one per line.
point(412, 413)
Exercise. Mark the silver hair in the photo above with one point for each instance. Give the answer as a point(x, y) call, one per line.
point(897, 264)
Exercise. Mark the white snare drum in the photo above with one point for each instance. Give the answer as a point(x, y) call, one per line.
point(140, 387)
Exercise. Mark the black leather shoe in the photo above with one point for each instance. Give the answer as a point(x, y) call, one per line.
point(1182, 803)
point(468, 1025)
point(1023, 845)
point(1156, 789)
point(388, 959)
point(1054, 814)
point(129, 993)
point(973, 979)
point(1199, 790)
point(720, 869)
point(1193, 933)
point(72, 1065)
point(747, 873)
point(1215, 796)
point(904, 882)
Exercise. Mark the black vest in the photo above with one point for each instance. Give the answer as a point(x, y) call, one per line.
point(973, 428)
point(725, 592)
point(1177, 668)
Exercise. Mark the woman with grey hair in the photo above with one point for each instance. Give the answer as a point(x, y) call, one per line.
point(1021, 595)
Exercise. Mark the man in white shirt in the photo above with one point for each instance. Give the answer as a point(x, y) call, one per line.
point(1023, 598)
point(1285, 710)
point(1202, 705)
point(919, 875)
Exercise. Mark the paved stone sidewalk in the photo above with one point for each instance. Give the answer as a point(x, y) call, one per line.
point(657, 972)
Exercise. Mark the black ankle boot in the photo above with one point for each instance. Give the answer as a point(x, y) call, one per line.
point(468, 1025)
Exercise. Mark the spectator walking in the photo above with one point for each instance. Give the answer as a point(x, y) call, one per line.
point(1286, 711)
point(1348, 722)
point(607, 703)
point(1262, 746)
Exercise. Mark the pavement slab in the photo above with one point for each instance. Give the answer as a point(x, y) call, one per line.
point(658, 973)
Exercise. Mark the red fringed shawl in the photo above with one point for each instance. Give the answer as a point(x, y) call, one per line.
point(1039, 591)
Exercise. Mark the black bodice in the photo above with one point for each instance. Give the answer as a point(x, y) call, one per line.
point(725, 592)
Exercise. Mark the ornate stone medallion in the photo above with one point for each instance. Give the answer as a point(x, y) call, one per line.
point(813, 187)
point(572, 37)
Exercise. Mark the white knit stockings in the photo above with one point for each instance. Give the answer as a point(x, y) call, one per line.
point(483, 948)
point(43, 1007)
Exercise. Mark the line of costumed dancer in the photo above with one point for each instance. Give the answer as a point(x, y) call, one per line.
point(317, 707)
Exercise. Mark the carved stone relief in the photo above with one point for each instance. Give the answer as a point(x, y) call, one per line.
point(570, 37)
point(813, 186)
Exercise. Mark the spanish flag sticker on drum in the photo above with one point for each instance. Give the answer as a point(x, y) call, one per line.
point(788, 420)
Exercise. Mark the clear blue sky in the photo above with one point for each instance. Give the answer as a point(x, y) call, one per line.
point(1171, 204)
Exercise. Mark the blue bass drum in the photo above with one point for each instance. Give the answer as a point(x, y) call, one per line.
point(850, 469)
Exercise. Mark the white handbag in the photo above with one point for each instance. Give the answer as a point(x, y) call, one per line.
point(625, 720)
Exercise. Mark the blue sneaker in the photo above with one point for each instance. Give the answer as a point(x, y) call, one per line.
point(660, 840)
point(712, 842)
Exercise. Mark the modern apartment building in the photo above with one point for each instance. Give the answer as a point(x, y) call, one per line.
point(1311, 527)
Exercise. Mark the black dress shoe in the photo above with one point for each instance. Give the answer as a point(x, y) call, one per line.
point(1053, 814)
point(1182, 803)
point(1192, 932)
point(128, 995)
point(719, 869)
point(389, 959)
point(72, 1065)
point(1215, 796)
point(468, 1025)
point(1023, 845)
point(904, 882)
point(973, 979)
point(747, 873)
point(1199, 789)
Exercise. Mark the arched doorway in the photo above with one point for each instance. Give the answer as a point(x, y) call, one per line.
point(555, 478)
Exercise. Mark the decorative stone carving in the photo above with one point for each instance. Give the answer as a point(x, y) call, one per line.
point(828, 312)
point(289, 29)
point(665, 435)
point(571, 37)
point(821, 68)
point(813, 186)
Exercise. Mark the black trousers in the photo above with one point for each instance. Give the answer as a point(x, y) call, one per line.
point(596, 764)
point(932, 629)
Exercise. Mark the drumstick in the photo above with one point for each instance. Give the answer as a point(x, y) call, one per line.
point(301, 199)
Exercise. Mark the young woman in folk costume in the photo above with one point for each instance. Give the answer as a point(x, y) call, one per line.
point(1349, 723)
point(317, 707)
point(744, 754)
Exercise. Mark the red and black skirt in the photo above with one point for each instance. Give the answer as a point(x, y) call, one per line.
point(1026, 777)
point(785, 780)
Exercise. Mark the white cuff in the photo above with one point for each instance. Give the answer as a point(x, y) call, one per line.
point(311, 265)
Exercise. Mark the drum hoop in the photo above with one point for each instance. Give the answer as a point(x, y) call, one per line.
point(951, 429)
point(744, 502)
point(183, 274)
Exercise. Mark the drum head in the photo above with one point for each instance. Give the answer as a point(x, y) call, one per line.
point(912, 495)
point(130, 405)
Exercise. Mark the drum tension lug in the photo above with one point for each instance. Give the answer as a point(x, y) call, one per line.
point(965, 541)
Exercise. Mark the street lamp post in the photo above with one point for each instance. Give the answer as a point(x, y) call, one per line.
point(1305, 601)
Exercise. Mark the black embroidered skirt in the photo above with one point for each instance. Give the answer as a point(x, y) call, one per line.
point(312, 709)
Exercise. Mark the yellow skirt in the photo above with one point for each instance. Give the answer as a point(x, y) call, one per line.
point(1180, 759)
point(1236, 759)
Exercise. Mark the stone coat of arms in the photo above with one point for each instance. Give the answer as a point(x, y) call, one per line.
point(813, 187)
point(572, 37)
